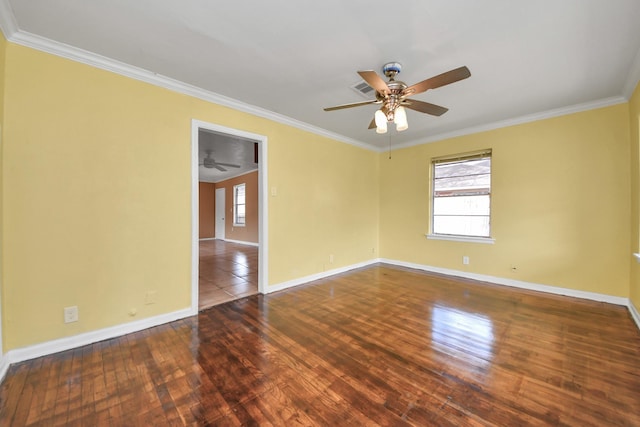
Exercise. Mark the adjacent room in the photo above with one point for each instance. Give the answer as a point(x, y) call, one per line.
point(227, 218)
point(332, 213)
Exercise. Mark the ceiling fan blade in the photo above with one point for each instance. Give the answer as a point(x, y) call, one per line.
point(220, 168)
point(230, 165)
point(372, 125)
point(355, 104)
point(374, 80)
point(439, 80)
point(424, 107)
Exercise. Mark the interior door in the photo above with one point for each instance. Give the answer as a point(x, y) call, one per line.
point(220, 209)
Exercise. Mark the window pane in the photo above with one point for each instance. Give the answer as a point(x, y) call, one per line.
point(240, 194)
point(239, 204)
point(461, 197)
point(481, 181)
point(461, 225)
point(468, 205)
point(464, 167)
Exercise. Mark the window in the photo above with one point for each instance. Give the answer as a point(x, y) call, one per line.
point(462, 195)
point(239, 206)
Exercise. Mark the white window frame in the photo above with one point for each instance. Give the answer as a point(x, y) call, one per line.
point(455, 159)
point(236, 204)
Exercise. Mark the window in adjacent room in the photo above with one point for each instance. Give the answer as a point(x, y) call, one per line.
point(239, 205)
point(462, 196)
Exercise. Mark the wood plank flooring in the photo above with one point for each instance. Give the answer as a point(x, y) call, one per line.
point(381, 345)
point(228, 271)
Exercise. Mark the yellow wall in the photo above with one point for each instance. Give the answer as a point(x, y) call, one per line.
point(97, 197)
point(97, 181)
point(3, 44)
point(634, 126)
point(560, 203)
point(326, 204)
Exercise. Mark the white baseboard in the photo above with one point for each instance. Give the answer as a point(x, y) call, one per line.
point(317, 276)
point(67, 343)
point(634, 313)
point(4, 366)
point(515, 283)
point(241, 242)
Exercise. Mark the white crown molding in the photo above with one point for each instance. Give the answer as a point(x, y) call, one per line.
point(89, 58)
point(633, 78)
point(571, 109)
point(8, 23)
point(67, 343)
point(10, 28)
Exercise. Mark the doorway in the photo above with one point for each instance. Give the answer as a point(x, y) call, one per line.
point(239, 254)
point(219, 215)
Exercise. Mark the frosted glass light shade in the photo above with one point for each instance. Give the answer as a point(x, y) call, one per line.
point(381, 122)
point(401, 119)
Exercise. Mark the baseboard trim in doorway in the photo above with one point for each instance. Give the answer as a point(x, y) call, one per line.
point(241, 242)
point(68, 343)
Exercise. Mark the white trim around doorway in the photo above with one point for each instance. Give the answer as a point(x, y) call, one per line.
point(263, 255)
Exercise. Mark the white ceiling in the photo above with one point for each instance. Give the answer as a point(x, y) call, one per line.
point(289, 59)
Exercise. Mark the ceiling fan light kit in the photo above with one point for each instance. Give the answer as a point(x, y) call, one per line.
point(393, 96)
point(381, 122)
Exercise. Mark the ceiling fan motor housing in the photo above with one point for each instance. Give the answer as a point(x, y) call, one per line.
point(391, 69)
point(396, 89)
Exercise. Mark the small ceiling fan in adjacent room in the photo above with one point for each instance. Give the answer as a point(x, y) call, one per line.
point(210, 163)
point(393, 96)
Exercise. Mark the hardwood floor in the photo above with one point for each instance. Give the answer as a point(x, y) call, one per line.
point(228, 271)
point(381, 345)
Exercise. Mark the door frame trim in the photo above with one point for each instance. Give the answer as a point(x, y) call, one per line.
point(263, 220)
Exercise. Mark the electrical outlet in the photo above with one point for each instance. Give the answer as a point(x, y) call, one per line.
point(465, 260)
point(71, 314)
point(331, 259)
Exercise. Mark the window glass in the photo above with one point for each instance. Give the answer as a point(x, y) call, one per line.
point(462, 195)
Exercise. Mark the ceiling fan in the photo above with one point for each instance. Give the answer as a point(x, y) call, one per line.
point(394, 95)
point(210, 163)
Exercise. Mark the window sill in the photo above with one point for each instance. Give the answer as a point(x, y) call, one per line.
point(239, 225)
point(468, 239)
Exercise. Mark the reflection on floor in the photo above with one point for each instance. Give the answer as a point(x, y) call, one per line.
point(228, 271)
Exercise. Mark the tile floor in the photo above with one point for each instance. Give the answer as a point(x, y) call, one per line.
point(228, 271)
